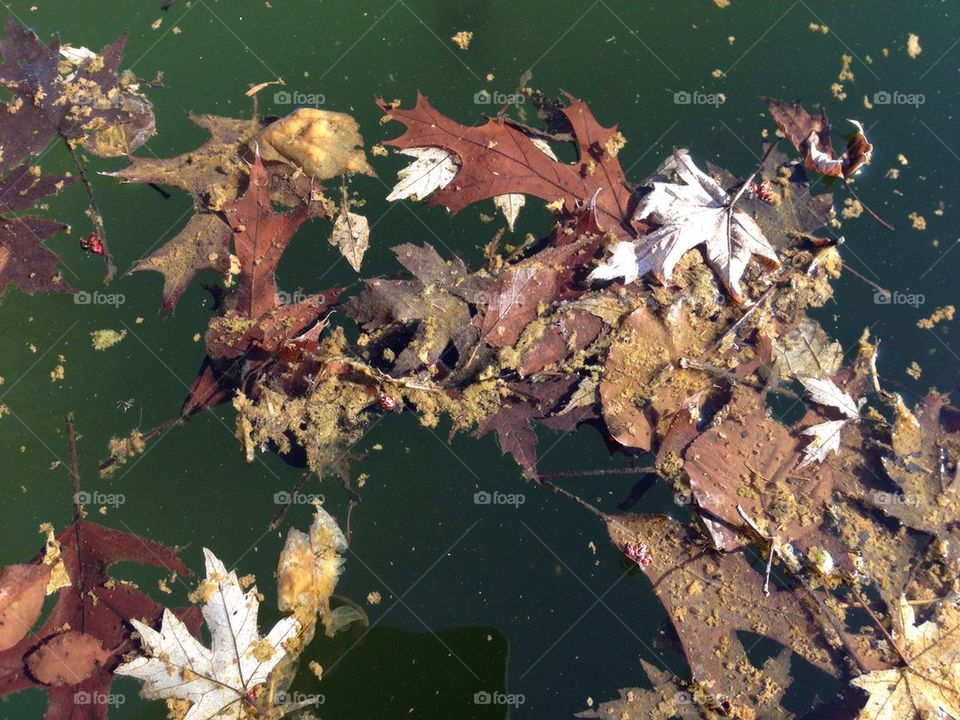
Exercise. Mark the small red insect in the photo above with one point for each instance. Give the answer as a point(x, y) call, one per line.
point(762, 190)
point(638, 552)
point(92, 244)
point(388, 403)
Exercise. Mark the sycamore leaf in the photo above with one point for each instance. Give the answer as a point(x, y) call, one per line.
point(825, 391)
point(930, 686)
point(432, 170)
point(351, 234)
point(695, 213)
point(219, 681)
point(826, 439)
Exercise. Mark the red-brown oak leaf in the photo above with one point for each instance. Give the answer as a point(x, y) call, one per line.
point(497, 158)
point(72, 654)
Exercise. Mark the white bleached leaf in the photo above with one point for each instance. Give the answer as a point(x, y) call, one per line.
point(432, 170)
point(351, 234)
point(695, 213)
point(826, 439)
point(825, 391)
point(510, 205)
point(216, 681)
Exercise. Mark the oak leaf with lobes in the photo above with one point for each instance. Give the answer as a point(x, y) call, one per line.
point(697, 212)
point(498, 159)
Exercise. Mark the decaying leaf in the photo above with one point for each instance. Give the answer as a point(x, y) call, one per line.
point(219, 682)
point(432, 170)
point(810, 134)
point(351, 234)
point(929, 687)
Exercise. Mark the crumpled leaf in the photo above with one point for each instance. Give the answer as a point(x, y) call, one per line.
point(930, 686)
point(694, 213)
point(308, 569)
point(322, 143)
point(351, 234)
point(810, 134)
point(219, 681)
point(22, 590)
point(498, 158)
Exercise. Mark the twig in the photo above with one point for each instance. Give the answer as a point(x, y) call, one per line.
point(74, 466)
point(871, 213)
point(278, 518)
point(95, 214)
point(735, 379)
point(600, 471)
point(868, 281)
point(876, 621)
point(576, 498)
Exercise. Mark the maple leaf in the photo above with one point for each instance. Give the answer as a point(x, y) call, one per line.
point(88, 629)
point(432, 170)
point(698, 212)
point(929, 686)
point(497, 159)
point(220, 681)
point(24, 261)
point(826, 435)
point(810, 134)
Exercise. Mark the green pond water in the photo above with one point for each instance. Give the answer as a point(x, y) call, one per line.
point(476, 598)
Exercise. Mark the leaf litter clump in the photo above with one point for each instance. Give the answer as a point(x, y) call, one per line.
point(670, 315)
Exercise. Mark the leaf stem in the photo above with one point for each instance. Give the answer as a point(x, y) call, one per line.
point(95, 215)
